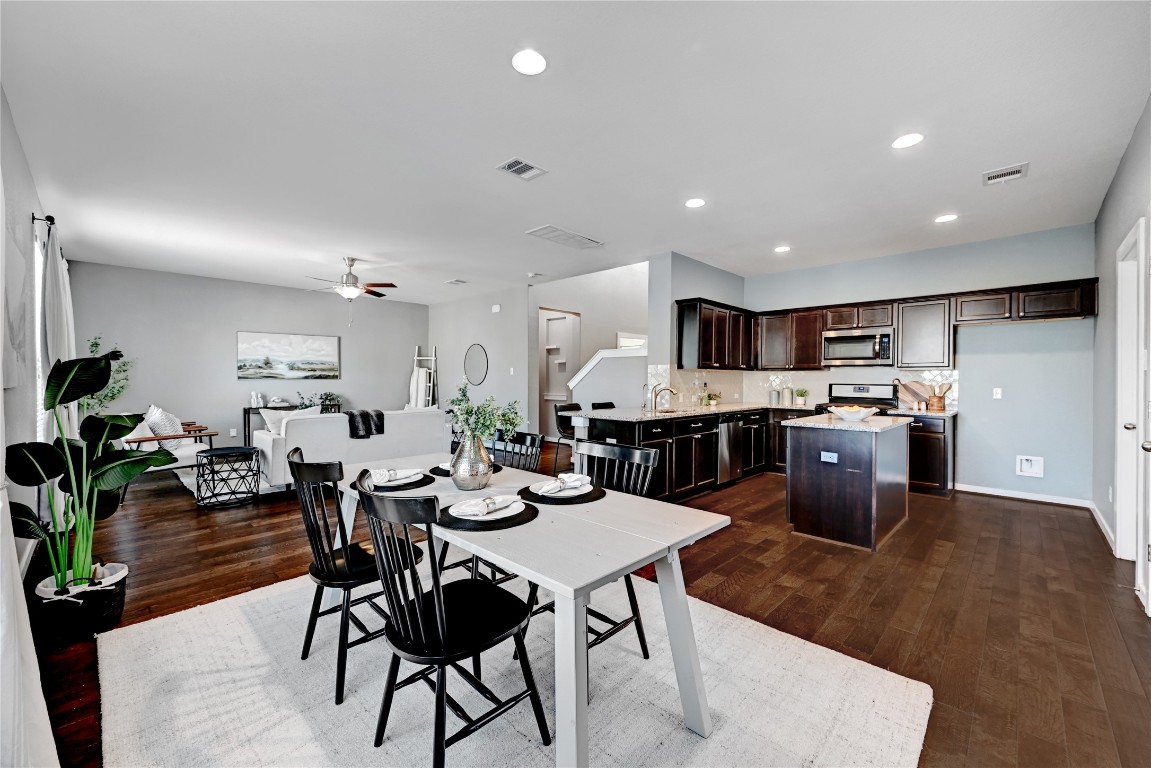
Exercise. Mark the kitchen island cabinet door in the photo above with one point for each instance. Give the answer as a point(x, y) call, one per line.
point(660, 487)
point(925, 333)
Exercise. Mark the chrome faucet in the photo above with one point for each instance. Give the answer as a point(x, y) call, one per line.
point(655, 393)
point(646, 393)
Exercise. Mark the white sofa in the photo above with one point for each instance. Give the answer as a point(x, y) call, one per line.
point(325, 437)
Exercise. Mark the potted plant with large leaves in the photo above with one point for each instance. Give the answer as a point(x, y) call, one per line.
point(80, 478)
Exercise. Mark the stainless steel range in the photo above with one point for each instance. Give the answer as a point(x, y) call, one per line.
point(885, 397)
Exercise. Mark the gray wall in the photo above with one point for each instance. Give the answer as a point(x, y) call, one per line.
point(1127, 199)
point(455, 326)
point(1038, 257)
point(608, 301)
point(675, 276)
point(1043, 368)
point(20, 201)
point(180, 331)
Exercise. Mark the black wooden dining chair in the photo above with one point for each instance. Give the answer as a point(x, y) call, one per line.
point(602, 406)
point(337, 562)
point(616, 468)
point(564, 427)
point(442, 626)
point(522, 451)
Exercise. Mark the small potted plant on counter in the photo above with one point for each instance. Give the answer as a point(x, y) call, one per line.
point(81, 479)
point(477, 422)
point(801, 396)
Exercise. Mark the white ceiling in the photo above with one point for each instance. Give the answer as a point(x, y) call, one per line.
point(263, 141)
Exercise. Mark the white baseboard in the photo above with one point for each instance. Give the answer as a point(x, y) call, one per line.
point(1064, 500)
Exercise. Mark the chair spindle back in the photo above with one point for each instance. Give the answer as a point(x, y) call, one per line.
point(616, 467)
point(317, 488)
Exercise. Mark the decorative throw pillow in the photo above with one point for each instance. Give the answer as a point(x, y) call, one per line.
point(163, 423)
point(273, 417)
point(142, 430)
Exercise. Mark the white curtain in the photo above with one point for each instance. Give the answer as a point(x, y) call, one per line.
point(25, 733)
point(59, 324)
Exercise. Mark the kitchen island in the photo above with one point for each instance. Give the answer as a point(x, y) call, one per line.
point(847, 480)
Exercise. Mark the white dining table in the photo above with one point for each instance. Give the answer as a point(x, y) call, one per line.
point(572, 550)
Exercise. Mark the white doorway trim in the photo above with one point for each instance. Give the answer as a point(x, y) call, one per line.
point(1132, 517)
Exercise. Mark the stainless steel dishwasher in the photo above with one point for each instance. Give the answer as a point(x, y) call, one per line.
point(730, 447)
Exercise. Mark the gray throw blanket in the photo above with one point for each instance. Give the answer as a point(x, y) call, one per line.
point(363, 424)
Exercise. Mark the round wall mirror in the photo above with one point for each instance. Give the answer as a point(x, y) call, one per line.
point(476, 364)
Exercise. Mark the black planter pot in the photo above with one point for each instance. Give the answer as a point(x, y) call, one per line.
point(57, 623)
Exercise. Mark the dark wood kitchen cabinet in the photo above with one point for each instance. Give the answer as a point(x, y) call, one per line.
point(756, 441)
point(983, 308)
point(713, 336)
point(1049, 303)
point(868, 316)
point(694, 462)
point(791, 341)
point(776, 446)
point(925, 334)
point(660, 486)
point(930, 457)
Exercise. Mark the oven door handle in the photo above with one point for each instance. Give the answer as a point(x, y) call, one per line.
point(875, 347)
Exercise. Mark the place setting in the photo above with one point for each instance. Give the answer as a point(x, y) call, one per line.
point(565, 488)
point(490, 513)
point(400, 479)
point(445, 469)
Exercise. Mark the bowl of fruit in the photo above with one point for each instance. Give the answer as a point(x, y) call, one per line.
point(852, 412)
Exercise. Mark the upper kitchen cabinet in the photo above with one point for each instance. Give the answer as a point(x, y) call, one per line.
point(791, 341)
point(713, 336)
point(1048, 302)
point(864, 316)
point(925, 334)
point(983, 308)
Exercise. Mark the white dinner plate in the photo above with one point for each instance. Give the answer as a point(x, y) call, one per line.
point(566, 493)
point(511, 509)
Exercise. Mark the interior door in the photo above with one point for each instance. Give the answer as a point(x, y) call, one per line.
point(559, 356)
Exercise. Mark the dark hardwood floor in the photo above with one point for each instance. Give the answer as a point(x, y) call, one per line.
point(1014, 612)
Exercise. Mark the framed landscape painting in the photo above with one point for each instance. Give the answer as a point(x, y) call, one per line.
point(286, 356)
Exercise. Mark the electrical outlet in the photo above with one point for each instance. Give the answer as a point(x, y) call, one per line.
point(231, 433)
point(996, 393)
point(1029, 466)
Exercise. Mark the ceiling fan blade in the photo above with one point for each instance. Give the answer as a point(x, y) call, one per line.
point(379, 285)
point(370, 292)
point(326, 280)
point(325, 288)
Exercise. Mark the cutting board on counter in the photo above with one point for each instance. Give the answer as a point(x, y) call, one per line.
point(911, 392)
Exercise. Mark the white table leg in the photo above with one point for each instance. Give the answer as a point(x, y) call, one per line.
point(692, 695)
point(571, 681)
point(348, 504)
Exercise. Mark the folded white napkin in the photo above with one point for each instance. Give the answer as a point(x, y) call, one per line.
point(564, 481)
point(481, 507)
point(385, 476)
point(446, 465)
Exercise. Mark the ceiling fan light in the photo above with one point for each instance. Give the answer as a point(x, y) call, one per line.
point(349, 292)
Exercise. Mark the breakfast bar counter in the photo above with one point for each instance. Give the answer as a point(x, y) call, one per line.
point(847, 480)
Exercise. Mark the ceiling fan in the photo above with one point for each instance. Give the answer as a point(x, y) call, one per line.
point(349, 286)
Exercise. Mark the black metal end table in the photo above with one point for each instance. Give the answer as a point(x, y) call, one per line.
point(227, 476)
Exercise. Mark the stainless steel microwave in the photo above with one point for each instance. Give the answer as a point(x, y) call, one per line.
point(857, 346)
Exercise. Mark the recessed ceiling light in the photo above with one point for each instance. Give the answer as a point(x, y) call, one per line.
point(946, 218)
point(782, 248)
point(528, 62)
point(696, 202)
point(907, 140)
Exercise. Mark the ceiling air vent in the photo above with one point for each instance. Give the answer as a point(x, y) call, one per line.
point(525, 171)
point(563, 237)
point(1000, 175)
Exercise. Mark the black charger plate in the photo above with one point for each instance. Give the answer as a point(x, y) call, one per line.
point(595, 494)
point(441, 472)
point(424, 480)
point(448, 520)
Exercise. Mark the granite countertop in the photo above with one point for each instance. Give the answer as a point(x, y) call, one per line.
point(947, 414)
point(635, 414)
point(830, 421)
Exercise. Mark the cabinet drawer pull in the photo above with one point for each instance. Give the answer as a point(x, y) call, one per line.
point(917, 423)
point(698, 425)
point(656, 430)
point(698, 437)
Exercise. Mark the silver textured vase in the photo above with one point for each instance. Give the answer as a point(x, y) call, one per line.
point(471, 464)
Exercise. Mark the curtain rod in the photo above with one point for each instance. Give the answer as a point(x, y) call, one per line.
point(47, 217)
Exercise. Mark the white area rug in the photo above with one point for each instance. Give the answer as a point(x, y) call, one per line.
point(223, 684)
